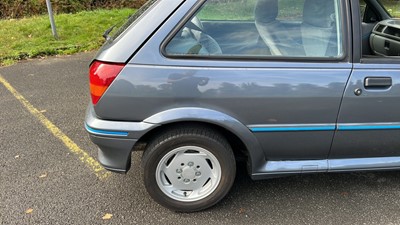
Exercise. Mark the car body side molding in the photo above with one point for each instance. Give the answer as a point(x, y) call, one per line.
point(323, 127)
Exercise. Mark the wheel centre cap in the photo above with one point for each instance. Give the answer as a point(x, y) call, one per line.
point(188, 173)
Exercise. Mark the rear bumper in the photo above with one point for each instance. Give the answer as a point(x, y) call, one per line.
point(114, 154)
point(115, 140)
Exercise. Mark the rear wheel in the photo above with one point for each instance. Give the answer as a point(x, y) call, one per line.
point(188, 169)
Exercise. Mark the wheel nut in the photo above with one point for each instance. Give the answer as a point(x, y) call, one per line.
point(186, 180)
point(198, 174)
point(178, 170)
point(190, 164)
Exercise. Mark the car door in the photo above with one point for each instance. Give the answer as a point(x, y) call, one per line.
point(369, 122)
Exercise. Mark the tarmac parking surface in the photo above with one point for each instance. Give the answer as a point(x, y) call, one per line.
point(49, 173)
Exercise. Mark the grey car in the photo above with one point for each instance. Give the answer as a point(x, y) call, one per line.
point(288, 86)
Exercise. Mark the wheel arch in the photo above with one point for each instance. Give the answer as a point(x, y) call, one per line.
point(241, 139)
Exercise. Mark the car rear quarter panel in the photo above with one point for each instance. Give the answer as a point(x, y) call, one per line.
point(252, 92)
point(123, 47)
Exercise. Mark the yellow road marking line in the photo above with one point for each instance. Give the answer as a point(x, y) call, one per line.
point(84, 157)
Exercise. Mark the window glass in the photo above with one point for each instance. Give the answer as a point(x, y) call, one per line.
point(270, 28)
point(228, 10)
point(380, 37)
point(291, 10)
point(392, 7)
point(363, 7)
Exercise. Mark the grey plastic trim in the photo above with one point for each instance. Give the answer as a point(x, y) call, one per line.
point(280, 168)
point(301, 166)
point(114, 154)
point(378, 82)
point(364, 164)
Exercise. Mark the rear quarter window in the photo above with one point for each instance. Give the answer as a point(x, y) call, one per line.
point(267, 28)
point(291, 10)
point(244, 10)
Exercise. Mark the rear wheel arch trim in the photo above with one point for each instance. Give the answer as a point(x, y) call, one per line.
point(216, 118)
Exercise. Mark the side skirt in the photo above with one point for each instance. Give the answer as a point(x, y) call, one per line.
point(273, 169)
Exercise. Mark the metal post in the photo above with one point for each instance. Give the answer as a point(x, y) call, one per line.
point(53, 24)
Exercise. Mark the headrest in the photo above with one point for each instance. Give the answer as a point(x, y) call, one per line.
point(196, 21)
point(319, 13)
point(266, 11)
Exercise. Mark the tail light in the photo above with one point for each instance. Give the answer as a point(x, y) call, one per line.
point(101, 76)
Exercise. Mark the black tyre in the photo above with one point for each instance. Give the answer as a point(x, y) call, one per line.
point(188, 169)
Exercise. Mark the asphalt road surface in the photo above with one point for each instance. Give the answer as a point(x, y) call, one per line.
point(48, 175)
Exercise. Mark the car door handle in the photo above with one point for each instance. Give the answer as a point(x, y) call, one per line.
point(378, 82)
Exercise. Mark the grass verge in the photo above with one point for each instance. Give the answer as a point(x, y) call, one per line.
point(32, 37)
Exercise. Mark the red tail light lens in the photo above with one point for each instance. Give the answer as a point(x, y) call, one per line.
point(101, 76)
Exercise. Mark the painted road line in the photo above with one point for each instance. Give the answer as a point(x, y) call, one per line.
point(84, 157)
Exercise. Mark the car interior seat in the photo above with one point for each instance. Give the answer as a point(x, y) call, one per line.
point(194, 28)
point(318, 29)
point(192, 40)
point(276, 36)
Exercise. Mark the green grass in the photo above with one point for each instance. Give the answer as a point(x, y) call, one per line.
point(290, 10)
point(392, 6)
point(244, 10)
point(32, 37)
point(235, 10)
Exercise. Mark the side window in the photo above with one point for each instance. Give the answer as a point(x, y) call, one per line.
point(269, 28)
point(363, 7)
point(227, 10)
point(290, 10)
point(392, 7)
point(368, 14)
point(380, 37)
